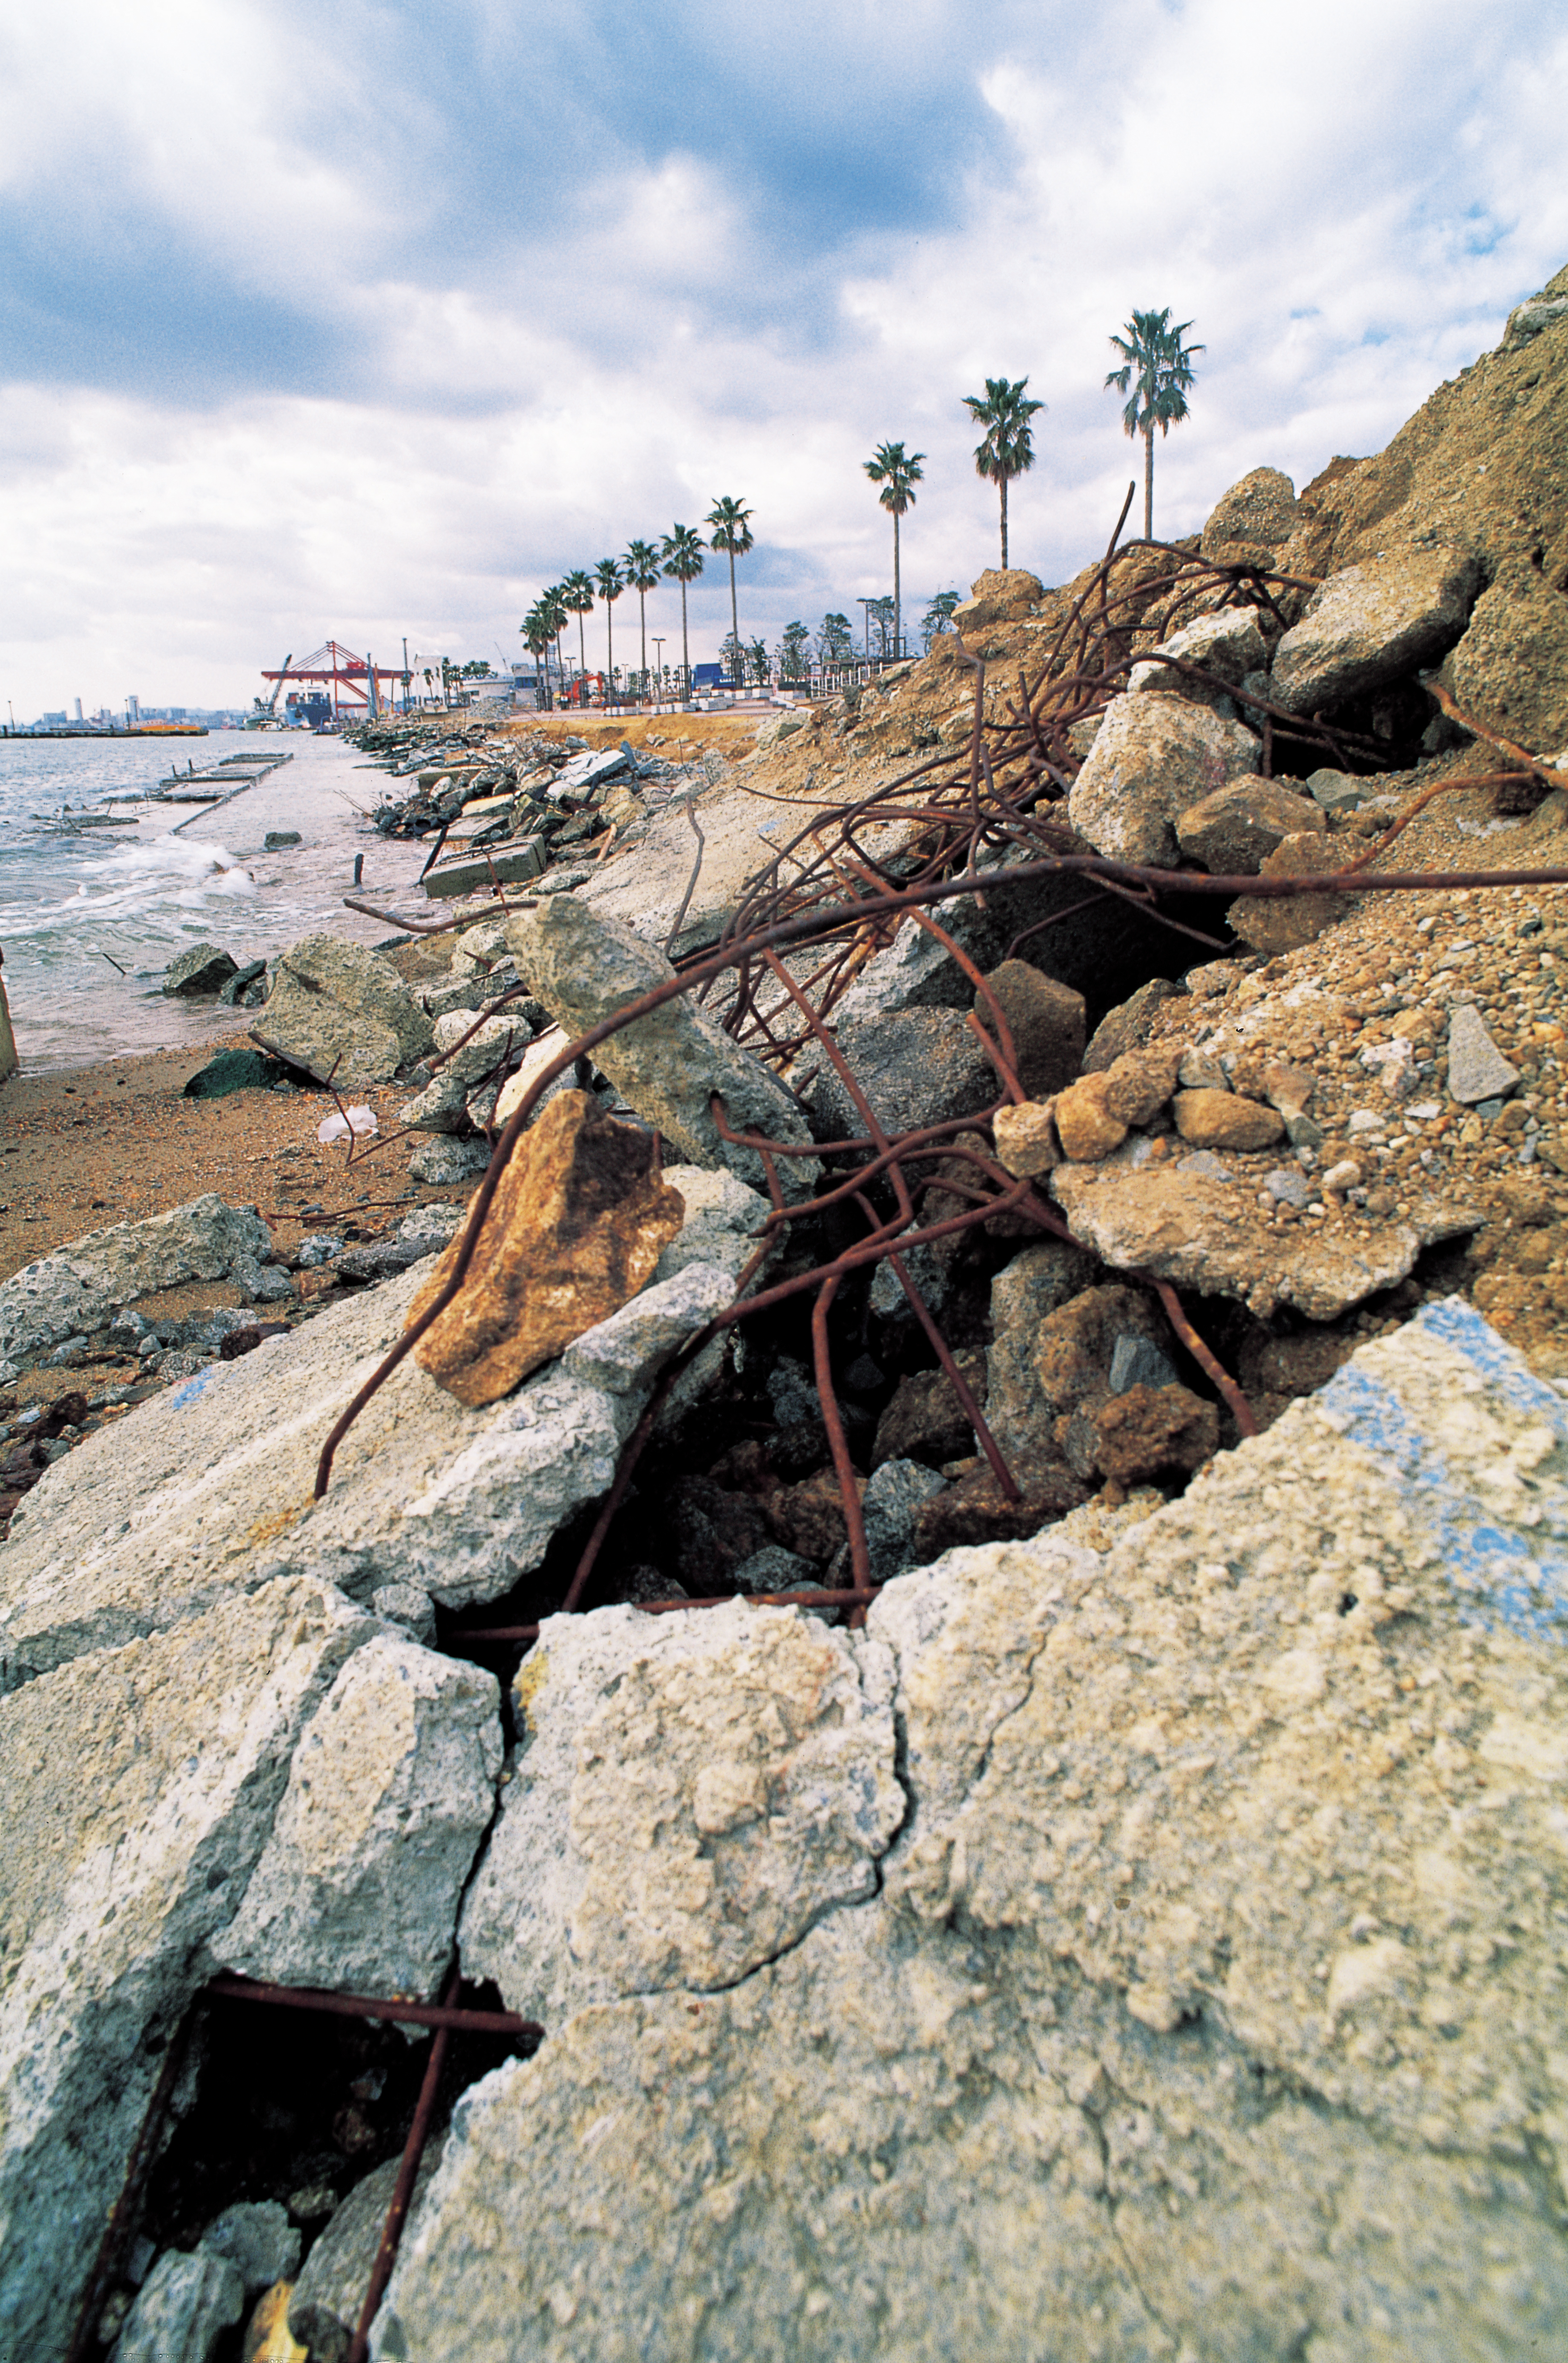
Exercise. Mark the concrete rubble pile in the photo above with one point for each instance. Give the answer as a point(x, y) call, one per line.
point(1144, 1934)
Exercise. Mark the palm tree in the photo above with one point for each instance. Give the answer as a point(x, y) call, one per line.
point(609, 581)
point(642, 565)
point(1159, 369)
point(681, 557)
point(577, 598)
point(1007, 448)
point(897, 471)
point(535, 629)
point(732, 532)
point(552, 608)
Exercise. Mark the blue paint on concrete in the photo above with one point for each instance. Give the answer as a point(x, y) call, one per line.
point(1517, 1576)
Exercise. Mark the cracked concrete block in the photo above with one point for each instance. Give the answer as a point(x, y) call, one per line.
point(391, 1789)
point(258, 2240)
point(80, 1287)
point(584, 966)
point(140, 1785)
point(1178, 2024)
point(690, 1794)
point(1153, 759)
point(208, 1490)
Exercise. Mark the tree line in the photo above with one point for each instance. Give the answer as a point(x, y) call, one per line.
point(1155, 372)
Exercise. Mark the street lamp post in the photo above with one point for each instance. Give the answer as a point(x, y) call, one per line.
point(866, 607)
point(658, 670)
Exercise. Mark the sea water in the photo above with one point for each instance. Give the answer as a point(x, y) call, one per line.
point(89, 923)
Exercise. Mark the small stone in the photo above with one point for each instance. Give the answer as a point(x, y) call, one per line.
point(1137, 1362)
point(1488, 1110)
point(444, 1159)
point(1288, 1088)
point(311, 2201)
point(1346, 1175)
point(1198, 1071)
point(1026, 1140)
point(1126, 1028)
point(277, 839)
point(774, 1569)
point(1206, 1166)
point(1047, 1023)
point(1335, 792)
point(65, 1357)
point(1287, 1188)
point(1224, 1120)
point(1150, 1428)
point(577, 1225)
point(1084, 1123)
point(1478, 1070)
point(891, 1506)
point(258, 2240)
point(316, 1248)
point(1139, 1083)
point(1365, 1120)
point(1302, 1133)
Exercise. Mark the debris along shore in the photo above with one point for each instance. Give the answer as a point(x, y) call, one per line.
point(952, 1587)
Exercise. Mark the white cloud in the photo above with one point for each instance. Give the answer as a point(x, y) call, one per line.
point(1345, 202)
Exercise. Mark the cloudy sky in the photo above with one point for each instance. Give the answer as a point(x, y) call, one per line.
point(367, 320)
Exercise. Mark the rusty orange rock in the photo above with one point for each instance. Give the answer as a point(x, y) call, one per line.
point(576, 1226)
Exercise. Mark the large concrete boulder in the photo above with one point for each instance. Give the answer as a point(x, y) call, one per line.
point(1510, 671)
point(140, 1783)
point(338, 1010)
point(584, 966)
point(1180, 2022)
point(391, 1788)
point(1232, 831)
point(1372, 623)
point(1252, 520)
point(999, 596)
point(1153, 759)
point(79, 1288)
point(1227, 643)
point(694, 1793)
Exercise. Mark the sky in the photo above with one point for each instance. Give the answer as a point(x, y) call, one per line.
point(367, 318)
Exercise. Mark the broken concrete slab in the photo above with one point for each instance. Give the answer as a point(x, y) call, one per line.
point(392, 1786)
point(1159, 1858)
point(207, 1490)
point(1153, 757)
point(584, 966)
point(691, 1794)
point(1204, 1233)
point(1371, 623)
point(78, 1289)
point(471, 1051)
point(142, 1783)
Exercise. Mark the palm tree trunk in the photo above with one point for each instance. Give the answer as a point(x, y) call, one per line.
point(734, 616)
point(643, 604)
point(897, 607)
point(610, 651)
point(581, 646)
point(1004, 484)
point(685, 652)
point(1149, 484)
